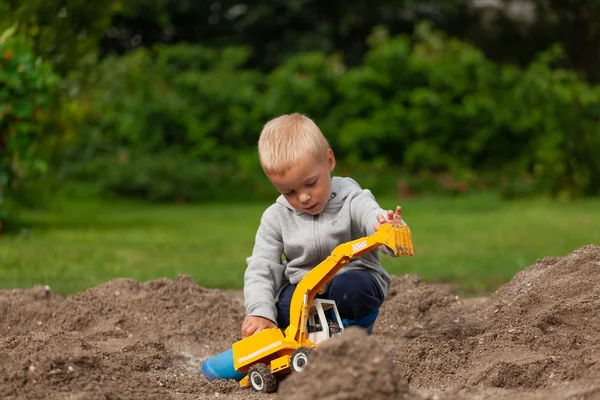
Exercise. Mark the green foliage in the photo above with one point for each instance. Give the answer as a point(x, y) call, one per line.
point(428, 105)
point(192, 99)
point(437, 105)
point(26, 83)
point(429, 109)
point(305, 83)
point(558, 116)
point(157, 123)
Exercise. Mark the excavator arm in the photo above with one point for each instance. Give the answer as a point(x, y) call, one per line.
point(397, 237)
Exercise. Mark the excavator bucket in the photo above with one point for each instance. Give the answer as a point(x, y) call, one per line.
point(402, 240)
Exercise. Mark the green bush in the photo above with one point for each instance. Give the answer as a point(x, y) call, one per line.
point(429, 112)
point(436, 106)
point(555, 118)
point(26, 84)
point(305, 83)
point(160, 124)
point(189, 98)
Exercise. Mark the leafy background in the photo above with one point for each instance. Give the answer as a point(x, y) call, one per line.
point(163, 100)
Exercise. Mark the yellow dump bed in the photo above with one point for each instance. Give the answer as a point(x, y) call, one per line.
point(261, 345)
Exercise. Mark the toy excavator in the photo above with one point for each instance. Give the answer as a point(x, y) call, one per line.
point(271, 353)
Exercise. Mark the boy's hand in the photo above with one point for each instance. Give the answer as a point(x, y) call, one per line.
point(251, 325)
point(392, 218)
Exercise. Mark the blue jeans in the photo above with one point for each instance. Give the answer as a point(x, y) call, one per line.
point(356, 294)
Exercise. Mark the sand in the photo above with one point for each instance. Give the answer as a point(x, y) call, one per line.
point(537, 337)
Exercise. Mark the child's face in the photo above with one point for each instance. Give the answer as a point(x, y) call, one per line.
point(307, 185)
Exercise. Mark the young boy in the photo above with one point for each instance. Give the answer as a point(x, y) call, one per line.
point(313, 214)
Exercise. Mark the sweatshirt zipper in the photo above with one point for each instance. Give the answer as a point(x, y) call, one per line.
point(317, 238)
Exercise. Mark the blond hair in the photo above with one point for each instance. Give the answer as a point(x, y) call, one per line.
point(286, 139)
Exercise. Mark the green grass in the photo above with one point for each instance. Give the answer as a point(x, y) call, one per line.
point(477, 243)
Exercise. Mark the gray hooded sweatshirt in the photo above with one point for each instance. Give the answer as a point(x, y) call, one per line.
point(290, 243)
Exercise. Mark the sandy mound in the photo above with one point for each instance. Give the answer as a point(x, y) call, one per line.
point(348, 371)
point(120, 340)
point(537, 331)
point(537, 337)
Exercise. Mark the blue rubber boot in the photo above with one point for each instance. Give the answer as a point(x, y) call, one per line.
point(367, 322)
point(221, 367)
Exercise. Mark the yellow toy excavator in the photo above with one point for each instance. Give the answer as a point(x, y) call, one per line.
point(270, 353)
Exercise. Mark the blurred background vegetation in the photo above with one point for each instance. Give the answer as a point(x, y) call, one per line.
point(163, 100)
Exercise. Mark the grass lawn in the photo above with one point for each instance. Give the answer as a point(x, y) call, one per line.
point(477, 242)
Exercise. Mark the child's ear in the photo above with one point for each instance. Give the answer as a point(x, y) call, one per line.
point(330, 159)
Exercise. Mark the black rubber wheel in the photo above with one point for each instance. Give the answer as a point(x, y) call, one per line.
point(299, 359)
point(261, 378)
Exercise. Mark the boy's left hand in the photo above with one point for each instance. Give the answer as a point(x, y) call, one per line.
point(392, 218)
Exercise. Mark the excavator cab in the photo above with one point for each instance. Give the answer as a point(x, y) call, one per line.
point(323, 321)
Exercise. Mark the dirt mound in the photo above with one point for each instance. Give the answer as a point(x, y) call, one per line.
point(119, 340)
point(536, 337)
point(24, 310)
point(412, 307)
point(537, 331)
point(55, 366)
point(348, 372)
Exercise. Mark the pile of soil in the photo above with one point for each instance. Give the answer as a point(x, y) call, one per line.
point(347, 371)
point(537, 337)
